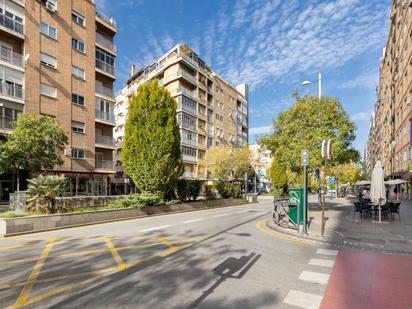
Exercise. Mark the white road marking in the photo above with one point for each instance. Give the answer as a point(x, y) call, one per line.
point(314, 277)
point(322, 262)
point(248, 217)
point(193, 220)
point(303, 300)
point(155, 228)
point(222, 215)
point(327, 252)
point(242, 211)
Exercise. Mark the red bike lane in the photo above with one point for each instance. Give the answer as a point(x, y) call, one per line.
point(362, 279)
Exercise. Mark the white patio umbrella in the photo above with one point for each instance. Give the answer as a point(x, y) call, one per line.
point(378, 193)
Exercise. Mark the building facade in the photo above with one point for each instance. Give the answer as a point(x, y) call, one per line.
point(261, 162)
point(390, 138)
point(58, 59)
point(210, 111)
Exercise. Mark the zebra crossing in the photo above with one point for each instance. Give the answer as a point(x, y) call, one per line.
point(304, 297)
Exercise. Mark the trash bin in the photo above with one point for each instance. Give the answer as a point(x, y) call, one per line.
point(296, 197)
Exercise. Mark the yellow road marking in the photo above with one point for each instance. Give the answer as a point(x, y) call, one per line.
point(25, 292)
point(120, 264)
point(167, 243)
point(261, 226)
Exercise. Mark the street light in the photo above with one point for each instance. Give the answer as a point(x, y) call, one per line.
point(306, 82)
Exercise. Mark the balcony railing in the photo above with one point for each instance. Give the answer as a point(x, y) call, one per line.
point(210, 90)
point(186, 75)
point(188, 125)
point(188, 175)
point(11, 90)
point(101, 40)
point(105, 67)
point(183, 107)
point(109, 20)
point(104, 140)
point(109, 117)
point(185, 91)
point(104, 164)
point(11, 24)
point(189, 141)
point(189, 158)
point(105, 91)
point(11, 57)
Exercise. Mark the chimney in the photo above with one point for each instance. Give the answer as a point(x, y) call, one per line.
point(133, 71)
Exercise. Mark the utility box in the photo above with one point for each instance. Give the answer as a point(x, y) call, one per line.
point(296, 200)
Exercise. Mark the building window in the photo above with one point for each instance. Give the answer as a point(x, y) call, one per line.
point(78, 19)
point(78, 127)
point(104, 56)
point(187, 151)
point(219, 117)
point(78, 45)
point(188, 103)
point(78, 99)
point(78, 72)
point(78, 153)
point(201, 154)
point(201, 139)
point(48, 30)
point(48, 91)
point(48, 60)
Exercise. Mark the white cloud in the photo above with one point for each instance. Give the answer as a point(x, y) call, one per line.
point(368, 80)
point(360, 116)
point(259, 130)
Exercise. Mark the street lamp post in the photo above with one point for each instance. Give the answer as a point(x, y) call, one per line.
point(306, 82)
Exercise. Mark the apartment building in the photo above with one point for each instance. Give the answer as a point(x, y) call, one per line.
point(58, 59)
point(210, 111)
point(261, 162)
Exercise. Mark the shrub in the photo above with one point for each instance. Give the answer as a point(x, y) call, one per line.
point(228, 190)
point(138, 201)
point(182, 189)
point(42, 192)
point(193, 189)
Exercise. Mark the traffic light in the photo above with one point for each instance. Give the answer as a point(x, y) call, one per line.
point(317, 174)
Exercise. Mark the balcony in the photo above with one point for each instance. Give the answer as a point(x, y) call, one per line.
point(189, 175)
point(186, 75)
point(105, 116)
point(104, 91)
point(11, 24)
point(210, 90)
point(6, 123)
point(188, 158)
point(104, 164)
point(188, 142)
point(11, 57)
point(183, 107)
point(187, 125)
point(11, 90)
point(105, 140)
point(185, 91)
point(106, 68)
point(106, 43)
point(105, 21)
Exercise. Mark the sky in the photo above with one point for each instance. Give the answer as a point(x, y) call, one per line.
point(271, 45)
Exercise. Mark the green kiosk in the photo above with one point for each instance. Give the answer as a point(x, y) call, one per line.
point(296, 205)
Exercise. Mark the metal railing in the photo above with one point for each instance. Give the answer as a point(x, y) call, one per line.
point(104, 164)
point(11, 90)
point(186, 75)
point(101, 40)
point(105, 140)
point(185, 91)
point(183, 107)
point(187, 125)
point(109, 117)
point(107, 92)
point(109, 20)
point(105, 67)
point(11, 57)
point(189, 141)
point(189, 158)
point(11, 23)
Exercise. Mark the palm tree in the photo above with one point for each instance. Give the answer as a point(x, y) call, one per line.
point(42, 192)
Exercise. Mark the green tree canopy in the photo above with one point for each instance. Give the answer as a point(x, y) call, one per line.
point(33, 145)
point(277, 173)
point(346, 173)
point(227, 162)
point(305, 125)
point(151, 148)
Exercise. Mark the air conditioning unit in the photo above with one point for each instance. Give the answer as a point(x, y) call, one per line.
point(68, 152)
point(50, 6)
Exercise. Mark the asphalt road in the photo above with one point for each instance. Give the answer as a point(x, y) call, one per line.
point(220, 258)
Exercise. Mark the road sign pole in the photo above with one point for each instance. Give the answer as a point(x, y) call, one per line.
point(305, 200)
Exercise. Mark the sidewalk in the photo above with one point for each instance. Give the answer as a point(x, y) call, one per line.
point(343, 230)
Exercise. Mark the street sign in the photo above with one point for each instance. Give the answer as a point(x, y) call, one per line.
point(331, 180)
point(326, 149)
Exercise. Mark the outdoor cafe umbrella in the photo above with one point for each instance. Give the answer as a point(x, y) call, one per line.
point(378, 193)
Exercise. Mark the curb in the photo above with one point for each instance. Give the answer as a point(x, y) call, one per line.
point(2, 236)
point(282, 231)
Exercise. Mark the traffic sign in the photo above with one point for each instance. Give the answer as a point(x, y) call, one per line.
point(331, 180)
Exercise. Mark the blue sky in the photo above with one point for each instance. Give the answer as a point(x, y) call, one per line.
point(271, 45)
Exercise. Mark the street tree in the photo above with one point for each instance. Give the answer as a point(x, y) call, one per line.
point(227, 162)
point(151, 149)
point(346, 173)
point(278, 175)
point(34, 145)
point(305, 125)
